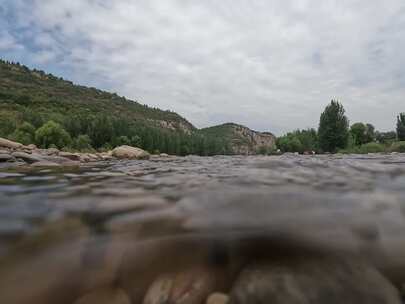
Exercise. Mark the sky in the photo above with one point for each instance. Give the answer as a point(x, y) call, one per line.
point(270, 65)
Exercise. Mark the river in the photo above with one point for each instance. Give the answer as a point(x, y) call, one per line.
point(257, 229)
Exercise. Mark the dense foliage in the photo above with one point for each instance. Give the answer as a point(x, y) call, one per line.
point(333, 128)
point(299, 141)
point(362, 133)
point(401, 126)
point(35, 107)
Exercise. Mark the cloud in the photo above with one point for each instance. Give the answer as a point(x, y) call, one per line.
point(269, 65)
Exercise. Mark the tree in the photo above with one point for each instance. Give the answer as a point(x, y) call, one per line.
point(333, 128)
point(24, 134)
point(386, 137)
point(82, 143)
point(359, 133)
point(370, 133)
point(401, 126)
point(52, 133)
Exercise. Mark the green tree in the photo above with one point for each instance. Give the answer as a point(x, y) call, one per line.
point(333, 128)
point(24, 134)
point(52, 133)
point(359, 133)
point(385, 137)
point(401, 126)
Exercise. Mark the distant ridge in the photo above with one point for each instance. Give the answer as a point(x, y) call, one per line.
point(35, 96)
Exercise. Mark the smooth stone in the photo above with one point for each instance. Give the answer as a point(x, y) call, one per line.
point(128, 152)
point(29, 158)
point(218, 298)
point(105, 296)
point(312, 281)
point(71, 156)
point(164, 155)
point(5, 157)
point(9, 144)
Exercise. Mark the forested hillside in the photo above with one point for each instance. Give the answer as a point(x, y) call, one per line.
point(34, 104)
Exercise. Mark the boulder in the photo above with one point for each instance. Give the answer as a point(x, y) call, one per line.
point(52, 151)
point(312, 281)
point(128, 152)
point(5, 157)
point(32, 147)
point(71, 156)
point(9, 144)
point(164, 155)
point(29, 158)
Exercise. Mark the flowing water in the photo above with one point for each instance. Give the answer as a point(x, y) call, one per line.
point(177, 229)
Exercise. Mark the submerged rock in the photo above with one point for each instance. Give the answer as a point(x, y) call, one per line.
point(128, 152)
point(188, 287)
point(312, 281)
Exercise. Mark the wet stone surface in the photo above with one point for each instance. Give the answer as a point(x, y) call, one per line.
point(196, 229)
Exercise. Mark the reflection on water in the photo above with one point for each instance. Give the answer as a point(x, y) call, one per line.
point(290, 229)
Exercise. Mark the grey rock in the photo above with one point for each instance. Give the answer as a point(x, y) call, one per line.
point(29, 158)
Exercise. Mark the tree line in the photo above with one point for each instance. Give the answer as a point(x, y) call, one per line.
point(334, 134)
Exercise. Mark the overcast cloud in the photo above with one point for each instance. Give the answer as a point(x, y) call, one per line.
point(271, 65)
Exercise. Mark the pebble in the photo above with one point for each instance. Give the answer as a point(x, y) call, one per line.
point(218, 298)
point(105, 296)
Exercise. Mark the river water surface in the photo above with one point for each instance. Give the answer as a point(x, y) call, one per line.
point(178, 229)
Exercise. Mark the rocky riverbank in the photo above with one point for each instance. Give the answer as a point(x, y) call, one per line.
point(16, 154)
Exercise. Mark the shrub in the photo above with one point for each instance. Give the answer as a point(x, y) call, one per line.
point(52, 133)
point(371, 148)
point(398, 147)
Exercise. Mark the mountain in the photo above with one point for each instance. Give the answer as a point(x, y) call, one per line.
point(242, 140)
point(32, 98)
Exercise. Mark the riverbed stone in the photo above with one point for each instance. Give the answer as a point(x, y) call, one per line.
point(128, 152)
point(312, 281)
